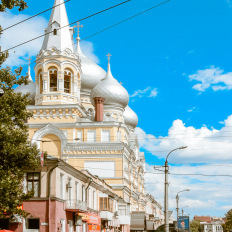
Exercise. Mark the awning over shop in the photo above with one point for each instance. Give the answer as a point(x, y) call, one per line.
point(150, 225)
point(137, 221)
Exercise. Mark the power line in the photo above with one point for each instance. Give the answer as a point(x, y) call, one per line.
point(155, 6)
point(192, 174)
point(116, 24)
point(32, 17)
point(67, 25)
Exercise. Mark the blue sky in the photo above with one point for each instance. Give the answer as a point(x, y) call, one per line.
point(175, 61)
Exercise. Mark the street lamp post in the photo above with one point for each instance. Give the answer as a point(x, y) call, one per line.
point(166, 216)
point(177, 204)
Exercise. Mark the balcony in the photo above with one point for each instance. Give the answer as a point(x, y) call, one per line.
point(75, 206)
point(106, 215)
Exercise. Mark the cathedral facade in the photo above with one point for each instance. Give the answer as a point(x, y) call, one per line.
point(80, 113)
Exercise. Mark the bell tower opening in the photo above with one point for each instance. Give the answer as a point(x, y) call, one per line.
point(53, 79)
point(67, 81)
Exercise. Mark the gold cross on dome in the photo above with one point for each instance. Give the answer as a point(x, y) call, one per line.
point(29, 60)
point(108, 57)
point(121, 83)
point(78, 26)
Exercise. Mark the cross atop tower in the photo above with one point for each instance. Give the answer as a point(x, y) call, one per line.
point(78, 26)
point(29, 60)
point(108, 57)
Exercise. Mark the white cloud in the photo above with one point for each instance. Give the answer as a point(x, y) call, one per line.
point(148, 92)
point(207, 194)
point(19, 34)
point(212, 77)
point(207, 159)
point(88, 49)
point(204, 145)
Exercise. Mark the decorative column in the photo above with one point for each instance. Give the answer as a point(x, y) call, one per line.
point(99, 101)
point(60, 81)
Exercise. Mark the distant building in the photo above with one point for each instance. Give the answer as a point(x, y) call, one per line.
point(211, 227)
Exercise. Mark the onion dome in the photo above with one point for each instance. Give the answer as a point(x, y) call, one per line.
point(130, 117)
point(92, 73)
point(113, 92)
point(29, 88)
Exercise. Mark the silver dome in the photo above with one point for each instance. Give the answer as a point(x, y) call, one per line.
point(113, 92)
point(92, 73)
point(130, 117)
point(29, 88)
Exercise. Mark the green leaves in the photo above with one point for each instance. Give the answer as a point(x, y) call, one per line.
point(17, 155)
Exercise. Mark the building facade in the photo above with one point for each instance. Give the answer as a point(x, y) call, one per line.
point(80, 115)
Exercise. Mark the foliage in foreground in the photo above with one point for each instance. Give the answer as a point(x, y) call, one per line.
point(16, 152)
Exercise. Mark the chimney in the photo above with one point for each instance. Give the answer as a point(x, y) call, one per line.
point(99, 101)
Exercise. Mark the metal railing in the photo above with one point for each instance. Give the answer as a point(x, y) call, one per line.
point(75, 204)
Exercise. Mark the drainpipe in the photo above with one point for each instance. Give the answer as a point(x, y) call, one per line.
point(90, 181)
point(49, 194)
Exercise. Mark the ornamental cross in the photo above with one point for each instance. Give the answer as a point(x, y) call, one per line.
point(78, 28)
point(108, 57)
point(29, 60)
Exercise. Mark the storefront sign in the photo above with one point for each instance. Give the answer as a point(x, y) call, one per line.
point(90, 218)
point(94, 228)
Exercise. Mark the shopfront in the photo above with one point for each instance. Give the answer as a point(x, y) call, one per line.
point(91, 222)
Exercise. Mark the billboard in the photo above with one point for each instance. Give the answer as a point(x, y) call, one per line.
point(183, 222)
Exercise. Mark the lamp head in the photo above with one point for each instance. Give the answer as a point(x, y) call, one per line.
point(183, 147)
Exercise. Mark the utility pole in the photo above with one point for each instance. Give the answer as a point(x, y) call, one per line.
point(177, 205)
point(166, 214)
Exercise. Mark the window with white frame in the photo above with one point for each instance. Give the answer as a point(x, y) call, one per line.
point(91, 136)
point(94, 200)
point(77, 190)
point(70, 223)
point(90, 197)
point(105, 135)
point(61, 186)
point(118, 135)
point(79, 136)
point(83, 193)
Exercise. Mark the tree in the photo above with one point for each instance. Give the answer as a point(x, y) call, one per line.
point(16, 152)
point(227, 227)
point(195, 226)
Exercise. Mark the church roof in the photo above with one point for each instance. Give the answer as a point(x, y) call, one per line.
point(111, 90)
point(56, 37)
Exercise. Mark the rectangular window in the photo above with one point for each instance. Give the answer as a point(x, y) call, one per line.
point(106, 204)
point(62, 222)
point(70, 226)
point(61, 186)
point(118, 135)
point(70, 190)
point(32, 223)
point(91, 136)
point(77, 191)
point(83, 193)
point(105, 135)
point(33, 182)
point(94, 200)
point(79, 136)
point(90, 198)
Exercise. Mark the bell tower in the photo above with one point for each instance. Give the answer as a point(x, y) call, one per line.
point(57, 70)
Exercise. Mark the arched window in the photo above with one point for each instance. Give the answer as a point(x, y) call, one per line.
point(40, 77)
point(55, 32)
point(41, 83)
point(67, 81)
point(53, 79)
